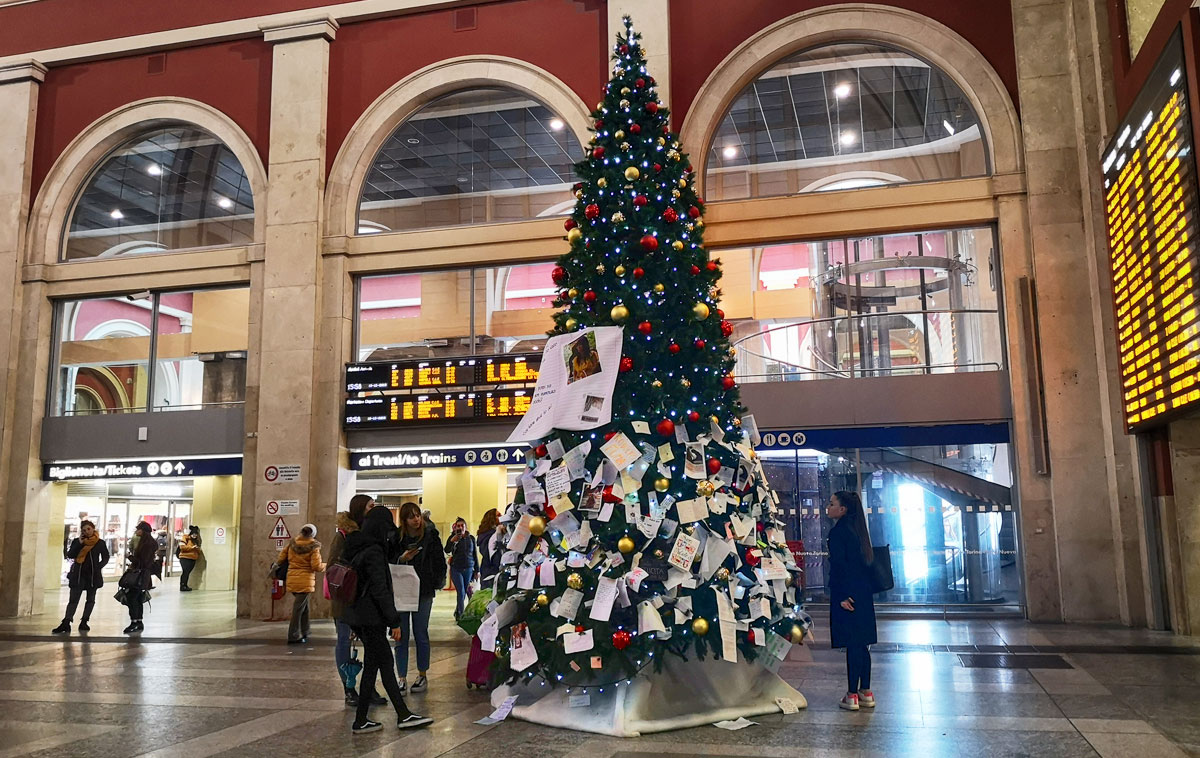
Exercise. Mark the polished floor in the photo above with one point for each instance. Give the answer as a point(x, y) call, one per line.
point(201, 683)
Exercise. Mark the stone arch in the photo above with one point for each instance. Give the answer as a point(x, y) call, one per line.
point(76, 163)
point(417, 90)
point(861, 22)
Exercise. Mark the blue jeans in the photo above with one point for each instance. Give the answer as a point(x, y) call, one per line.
point(462, 578)
point(341, 652)
point(420, 630)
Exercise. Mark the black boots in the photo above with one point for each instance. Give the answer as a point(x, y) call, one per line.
point(135, 627)
point(65, 627)
point(352, 699)
point(83, 626)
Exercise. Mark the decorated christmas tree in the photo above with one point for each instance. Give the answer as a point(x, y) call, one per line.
point(654, 536)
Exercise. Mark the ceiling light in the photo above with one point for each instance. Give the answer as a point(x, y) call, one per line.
point(224, 202)
point(556, 124)
point(116, 213)
point(154, 169)
point(841, 91)
point(413, 141)
point(730, 152)
point(848, 138)
point(946, 125)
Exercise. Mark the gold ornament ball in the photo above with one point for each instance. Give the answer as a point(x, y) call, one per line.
point(685, 382)
point(662, 484)
point(705, 488)
point(574, 235)
point(656, 384)
point(579, 194)
point(714, 419)
point(700, 311)
point(543, 599)
point(624, 104)
point(700, 626)
point(699, 223)
point(624, 91)
point(619, 313)
point(737, 422)
point(683, 182)
point(575, 581)
point(632, 173)
point(602, 182)
point(620, 134)
point(570, 324)
point(662, 141)
point(676, 194)
point(619, 270)
point(625, 545)
point(573, 293)
point(660, 287)
point(678, 245)
point(537, 526)
point(723, 574)
point(797, 635)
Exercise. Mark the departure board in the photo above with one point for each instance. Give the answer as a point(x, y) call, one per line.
point(393, 411)
point(378, 376)
point(1151, 207)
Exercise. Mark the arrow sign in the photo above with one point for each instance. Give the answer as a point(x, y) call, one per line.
point(280, 532)
point(179, 468)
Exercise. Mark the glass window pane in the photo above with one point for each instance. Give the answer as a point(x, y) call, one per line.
point(472, 157)
point(840, 117)
point(202, 343)
point(170, 189)
point(103, 355)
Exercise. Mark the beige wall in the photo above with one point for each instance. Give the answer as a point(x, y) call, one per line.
point(217, 502)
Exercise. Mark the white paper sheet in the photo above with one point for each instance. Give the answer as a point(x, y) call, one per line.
point(606, 595)
point(665, 454)
point(578, 643)
point(621, 451)
point(725, 620)
point(649, 619)
point(568, 604)
point(522, 653)
point(684, 552)
point(691, 511)
point(558, 481)
point(554, 448)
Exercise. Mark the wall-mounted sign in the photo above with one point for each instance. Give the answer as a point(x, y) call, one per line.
point(219, 536)
point(438, 457)
point(283, 507)
point(378, 376)
point(284, 472)
point(1151, 206)
point(142, 468)
point(390, 411)
point(883, 436)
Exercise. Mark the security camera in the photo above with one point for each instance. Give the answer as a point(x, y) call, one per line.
point(143, 295)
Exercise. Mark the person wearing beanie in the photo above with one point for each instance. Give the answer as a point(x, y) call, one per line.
point(303, 557)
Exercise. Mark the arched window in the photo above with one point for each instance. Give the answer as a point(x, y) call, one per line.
point(472, 157)
point(840, 117)
point(170, 189)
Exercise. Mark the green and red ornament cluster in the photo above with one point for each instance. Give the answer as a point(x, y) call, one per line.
point(637, 260)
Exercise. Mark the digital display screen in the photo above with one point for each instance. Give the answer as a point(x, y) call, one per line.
point(1150, 206)
point(392, 411)
point(380, 376)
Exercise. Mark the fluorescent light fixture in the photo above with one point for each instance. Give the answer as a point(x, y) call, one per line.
point(557, 124)
point(949, 129)
point(1175, 76)
point(841, 91)
point(847, 138)
point(116, 213)
point(154, 169)
point(158, 490)
point(730, 152)
point(224, 202)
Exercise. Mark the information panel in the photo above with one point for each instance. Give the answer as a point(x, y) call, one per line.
point(1151, 206)
point(391, 411)
point(379, 376)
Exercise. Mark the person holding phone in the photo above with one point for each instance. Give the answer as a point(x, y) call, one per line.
point(851, 606)
point(88, 555)
point(420, 546)
point(461, 548)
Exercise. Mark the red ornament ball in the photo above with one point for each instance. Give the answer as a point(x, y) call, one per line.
point(650, 243)
point(626, 363)
point(752, 558)
point(694, 212)
point(639, 272)
point(645, 327)
point(726, 328)
point(559, 274)
point(665, 428)
point(635, 128)
point(640, 83)
point(652, 107)
point(670, 216)
point(599, 124)
point(624, 49)
point(720, 313)
point(700, 344)
point(693, 416)
point(673, 349)
point(657, 167)
point(695, 270)
point(728, 383)
point(711, 266)
point(598, 152)
point(714, 465)
point(579, 629)
point(640, 200)
point(750, 636)
point(665, 129)
point(621, 639)
point(569, 224)
point(609, 435)
point(589, 297)
point(540, 451)
point(592, 211)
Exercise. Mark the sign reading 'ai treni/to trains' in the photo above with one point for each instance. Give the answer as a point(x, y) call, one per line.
point(1151, 207)
point(437, 457)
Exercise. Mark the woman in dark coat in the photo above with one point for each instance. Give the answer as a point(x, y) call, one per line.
point(372, 612)
point(421, 547)
point(489, 554)
point(88, 555)
point(460, 546)
point(142, 565)
point(851, 607)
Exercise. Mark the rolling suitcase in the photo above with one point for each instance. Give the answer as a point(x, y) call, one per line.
point(479, 666)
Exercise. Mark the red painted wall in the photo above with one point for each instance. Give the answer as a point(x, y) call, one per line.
point(233, 77)
point(564, 37)
point(703, 32)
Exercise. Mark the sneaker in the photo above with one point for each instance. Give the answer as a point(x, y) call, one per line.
point(403, 686)
point(866, 698)
point(63, 628)
point(849, 702)
point(413, 721)
point(135, 627)
point(83, 626)
point(366, 726)
point(421, 684)
point(351, 699)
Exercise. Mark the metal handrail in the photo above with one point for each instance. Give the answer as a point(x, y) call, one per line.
point(147, 409)
point(845, 375)
point(853, 316)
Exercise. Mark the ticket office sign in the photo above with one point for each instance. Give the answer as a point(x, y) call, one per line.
point(381, 376)
point(398, 411)
point(1151, 216)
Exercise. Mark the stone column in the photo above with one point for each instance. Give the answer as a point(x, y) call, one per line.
point(20, 590)
point(651, 19)
point(1066, 108)
point(286, 308)
point(1181, 528)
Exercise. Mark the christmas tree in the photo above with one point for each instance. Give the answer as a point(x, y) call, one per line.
point(677, 553)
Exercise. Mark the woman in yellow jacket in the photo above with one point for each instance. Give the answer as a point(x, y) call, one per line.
point(303, 556)
point(188, 552)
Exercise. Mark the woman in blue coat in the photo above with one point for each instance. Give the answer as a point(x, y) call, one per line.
point(851, 608)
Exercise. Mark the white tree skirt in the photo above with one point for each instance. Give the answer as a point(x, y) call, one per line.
point(685, 694)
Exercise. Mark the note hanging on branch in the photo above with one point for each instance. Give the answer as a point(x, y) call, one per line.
point(578, 643)
point(621, 451)
point(606, 595)
point(649, 619)
point(691, 510)
point(568, 604)
point(693, 461)
point(558, 481)
point(665, 453)
point(684, 551)
point(522, 652)
point(554, 449)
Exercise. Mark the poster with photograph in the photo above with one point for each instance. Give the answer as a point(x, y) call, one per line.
point(575, 383)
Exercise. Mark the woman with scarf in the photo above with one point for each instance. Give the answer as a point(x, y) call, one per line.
point(142, 560)
point(88, 555)
point(188, 552)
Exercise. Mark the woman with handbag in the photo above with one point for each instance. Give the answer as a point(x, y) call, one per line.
point(348, 522)
point(419, 546)
point(142, 559)
point(88, 555)
point(188, 552)
point(372, 613)
point(851, 606)
point(303, 558)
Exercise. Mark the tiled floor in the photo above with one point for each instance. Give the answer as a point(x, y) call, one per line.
point(201, 683)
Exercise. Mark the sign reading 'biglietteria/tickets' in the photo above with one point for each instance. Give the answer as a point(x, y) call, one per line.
point(156, 468)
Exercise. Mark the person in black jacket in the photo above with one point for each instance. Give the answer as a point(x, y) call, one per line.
point(851, 606)
point(488, 536)
point(88, 555)
point(371, 613)
point(421, 547)
point(142, 565)
point(460, 546)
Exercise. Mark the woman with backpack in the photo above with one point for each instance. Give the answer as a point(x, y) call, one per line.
point(348, 522)
point(88, 555)
point(851, 605)
point(303, 558)
point(372, 613)
point(420, 546)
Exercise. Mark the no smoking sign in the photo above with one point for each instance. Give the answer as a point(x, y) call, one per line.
point(283, 507)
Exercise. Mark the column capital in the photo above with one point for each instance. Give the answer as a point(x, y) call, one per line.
point(24, 71)
point(325, 28)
